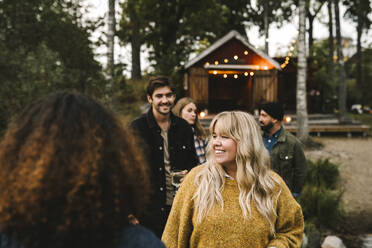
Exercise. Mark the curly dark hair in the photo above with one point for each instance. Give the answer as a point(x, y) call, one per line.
point(70, 174)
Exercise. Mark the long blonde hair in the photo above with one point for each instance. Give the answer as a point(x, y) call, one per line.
point(253, 177)
point(177, 110)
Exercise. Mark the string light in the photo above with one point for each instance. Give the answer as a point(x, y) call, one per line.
point(246, 74)
point(215, 72)
point(216, 62)
point(207, 64)
point(290, 53)
point(224, 75)
point(252, 73)
point(236, 57)
point(245, 52)
point(235, 76)
point(226, 60)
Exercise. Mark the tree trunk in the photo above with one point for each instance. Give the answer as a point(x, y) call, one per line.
point(301, 104)
point(110, 51)
point(341, 66)
point(330, 42)
point(135, 42)
point(311, 17)
point(111, 38)
point(359, 53)
point(310, 30)
point(266, 26)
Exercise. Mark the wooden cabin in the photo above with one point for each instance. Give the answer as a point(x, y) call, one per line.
point(231, 74)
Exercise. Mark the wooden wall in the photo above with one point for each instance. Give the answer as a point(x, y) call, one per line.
point(265, 86)
point(198, 85)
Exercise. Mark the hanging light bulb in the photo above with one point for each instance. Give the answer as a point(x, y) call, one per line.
point(216, 62)
point(246, 74)
point(235, 76)
point(245, 52)
point(207, 64)
point(224, 75)
point(236, 57)
point(252, 73)
point(226, 60)
point(215, 72)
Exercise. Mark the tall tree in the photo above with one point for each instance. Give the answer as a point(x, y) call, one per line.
point(359, 11)
point(35, 56)
point(110, 52)
point(175, 26)
point(301, 105)
point(330, 40)
point(268, 12)
point(313, 7)
point(341, 66)
point(132, 31)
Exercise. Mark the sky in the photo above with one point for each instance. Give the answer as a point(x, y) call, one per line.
point(279, 39)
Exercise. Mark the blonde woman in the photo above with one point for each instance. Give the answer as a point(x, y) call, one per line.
point(186, 109)
point(234, 199)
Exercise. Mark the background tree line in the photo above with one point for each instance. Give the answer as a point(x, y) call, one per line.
point(45, 45)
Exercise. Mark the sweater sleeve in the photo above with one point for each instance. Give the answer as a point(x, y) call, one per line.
point(289, 225)
point(179, 226)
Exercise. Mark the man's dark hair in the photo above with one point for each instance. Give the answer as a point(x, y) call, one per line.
point(158, 82)
point(274, 109)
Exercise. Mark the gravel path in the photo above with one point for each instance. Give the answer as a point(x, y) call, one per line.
point(354, 156)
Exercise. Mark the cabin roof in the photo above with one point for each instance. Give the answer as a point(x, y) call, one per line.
point(232, 34)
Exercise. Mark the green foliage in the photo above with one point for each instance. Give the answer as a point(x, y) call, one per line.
point(361, 94)
point(279, 12)
point(172, 29)
point(320, 198)
point(321, 205)
point(44, 47)
point(129, 98)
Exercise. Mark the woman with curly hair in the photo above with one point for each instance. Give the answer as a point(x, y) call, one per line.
point(70, 177)
point(186, 109)
point(234, 199)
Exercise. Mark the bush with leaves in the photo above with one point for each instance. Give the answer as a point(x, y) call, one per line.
point(320, 198)
point(321, 205)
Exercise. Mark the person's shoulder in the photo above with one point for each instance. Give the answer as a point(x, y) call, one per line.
point(8, 242)
point(196, 170)
point(140, 120)
point(189, 182)
point(193, 173)
point(180, 121)
point(136, 236)
point(290, 137)
point(277, 178)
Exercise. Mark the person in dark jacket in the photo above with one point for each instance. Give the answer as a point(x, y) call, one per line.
point(169, 144)
point(286, 153)
point(71, 177)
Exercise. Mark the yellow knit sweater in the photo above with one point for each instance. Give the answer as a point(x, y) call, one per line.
point(227, 227)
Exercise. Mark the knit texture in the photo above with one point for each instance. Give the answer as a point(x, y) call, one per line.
point(227, 227)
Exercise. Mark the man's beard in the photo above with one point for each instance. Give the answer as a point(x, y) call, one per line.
point(266, 128)
point(159, 107)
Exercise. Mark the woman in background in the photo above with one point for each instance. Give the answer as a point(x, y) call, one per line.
point(70, 177)
point(234, 199)
point(186, 109)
